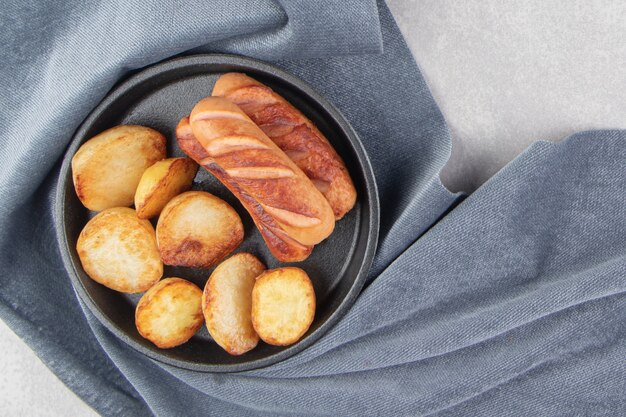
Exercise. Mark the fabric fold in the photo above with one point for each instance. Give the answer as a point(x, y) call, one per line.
point(309, 30)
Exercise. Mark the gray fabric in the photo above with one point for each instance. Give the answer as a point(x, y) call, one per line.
point(512, 304)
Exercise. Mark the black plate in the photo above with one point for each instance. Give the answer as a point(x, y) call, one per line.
point(158, 97)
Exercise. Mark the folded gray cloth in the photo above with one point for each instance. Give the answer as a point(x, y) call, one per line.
point(510, 303)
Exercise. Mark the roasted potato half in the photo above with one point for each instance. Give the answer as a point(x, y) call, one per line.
point(119, 251)
point(170, 312)
point(106, 169)
point(227, 303)
point(197, 229)
point(283, 305)
point(161, 182)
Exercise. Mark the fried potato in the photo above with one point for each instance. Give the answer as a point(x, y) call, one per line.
point(227, 302)
point(161, 182)
point(119, 251)
point(197, 229)
point(106, 169)
point(170, 312)
point(283, 305)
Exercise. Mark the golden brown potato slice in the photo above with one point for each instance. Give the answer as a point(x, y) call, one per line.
point(197, 229)
point(119, 251)
point(161, 182)
point(283, 305)
point(106, 169)
point(170, 313)
point(227, 302)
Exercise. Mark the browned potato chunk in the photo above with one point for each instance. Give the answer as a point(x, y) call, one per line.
point(227, 303)
point(161, 182)
point(119, 251)
point(283, 305)
point(106, 169)
point(170, 313)
point(197, 229)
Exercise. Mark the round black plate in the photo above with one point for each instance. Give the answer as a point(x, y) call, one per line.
point(158, 97)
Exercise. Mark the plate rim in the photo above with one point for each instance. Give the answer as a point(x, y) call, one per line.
point(156, 69)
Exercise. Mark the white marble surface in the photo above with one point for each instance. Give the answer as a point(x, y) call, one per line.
point(504, 74)
point(28, 388)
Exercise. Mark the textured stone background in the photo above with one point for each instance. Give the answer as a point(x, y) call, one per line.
point(504, 74)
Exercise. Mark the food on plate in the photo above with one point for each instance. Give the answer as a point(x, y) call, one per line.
point(119, 250)
point(161, 182)
point(227, 303)
point(283, 247)
point(170, 312)
point(107, 168)
point(283, 305)
point(295, 134)
point(291, 214)
point(197, 229)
